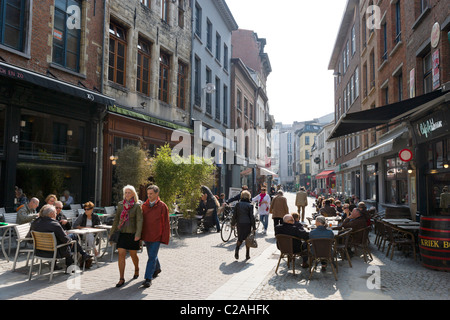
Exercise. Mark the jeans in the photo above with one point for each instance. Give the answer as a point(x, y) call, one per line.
point(152, 262)
point(216, 220)
point(265, 220)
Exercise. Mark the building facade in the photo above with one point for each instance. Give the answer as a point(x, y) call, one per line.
point(50, 102)
point(147, 54)
point(404, 156)
point(346, 63)
point(212, 28)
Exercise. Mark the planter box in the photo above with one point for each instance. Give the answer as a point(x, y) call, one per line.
point(187, 226)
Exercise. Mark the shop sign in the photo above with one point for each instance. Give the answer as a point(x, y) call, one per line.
point(435, 70)
point(432, 126)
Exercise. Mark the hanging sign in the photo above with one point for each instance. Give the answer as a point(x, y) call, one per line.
point(405, 155)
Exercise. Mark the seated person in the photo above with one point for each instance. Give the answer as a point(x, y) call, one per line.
point(288, 228)
point(88, 219)
point(327, 210)
point(321, 232)
point(47, 223)
point(27, 212)
point(60, 217)
point(297, 222)
point(356, 221)
point(338, 206)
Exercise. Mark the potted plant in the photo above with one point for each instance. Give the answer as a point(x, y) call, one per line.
point(180, 181)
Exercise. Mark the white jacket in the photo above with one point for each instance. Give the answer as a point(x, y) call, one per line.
point(264, 205)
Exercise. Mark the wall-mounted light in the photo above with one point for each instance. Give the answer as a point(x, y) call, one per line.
point(70, 133)
point(23, 123)
point(113, 160)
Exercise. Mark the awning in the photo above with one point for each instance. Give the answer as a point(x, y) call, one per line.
point(384, 146)
point(352, 123)
point(247, 172)
point(266, 172)
point(19, 74)
point(325, 174)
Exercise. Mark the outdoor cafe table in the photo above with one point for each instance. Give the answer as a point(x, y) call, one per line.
point(6, 227)
point(85, 231)
point(108, 229)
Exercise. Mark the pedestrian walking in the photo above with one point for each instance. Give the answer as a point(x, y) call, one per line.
point(279, 208)
point(245, 222)
point(128, 221)
point(263, 200)
point(301, 201)
point(155, 230)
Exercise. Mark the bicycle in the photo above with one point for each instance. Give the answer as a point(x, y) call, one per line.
point(227, 229)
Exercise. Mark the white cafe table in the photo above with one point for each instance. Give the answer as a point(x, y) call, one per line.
point(85, 231)
point(108, 229)
point(7, 230)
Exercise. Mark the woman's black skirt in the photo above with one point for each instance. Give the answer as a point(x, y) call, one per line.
point(243, 230)
point(126, 241)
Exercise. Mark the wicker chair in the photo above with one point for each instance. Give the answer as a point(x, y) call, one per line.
point(321, 250)
point(286, 246)
point(360, 239)
point(400, 237)
point(342, 240)
point(46, 241)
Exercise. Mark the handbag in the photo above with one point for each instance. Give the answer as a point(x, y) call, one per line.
point(251, 242)
point(114, 237)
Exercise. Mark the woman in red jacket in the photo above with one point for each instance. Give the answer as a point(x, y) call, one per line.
point(155, 230)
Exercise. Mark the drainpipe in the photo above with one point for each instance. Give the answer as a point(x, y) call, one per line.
point(99, 171)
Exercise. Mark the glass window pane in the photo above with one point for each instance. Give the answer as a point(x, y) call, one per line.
point(12, 16)
point(12, 38)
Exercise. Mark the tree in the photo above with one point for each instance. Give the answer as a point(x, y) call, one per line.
point(180, 181)
point(132, 168)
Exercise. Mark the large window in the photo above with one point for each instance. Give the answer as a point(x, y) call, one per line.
point(396, 181)
point(67, 34)
point(165, 10)
point(218, 99)
point(12, 23)
point(164, 71)
point(181, 85)
point(44, 137)
point(198, 20)
point(371, 182)
point(143, 68)
point(117, 54)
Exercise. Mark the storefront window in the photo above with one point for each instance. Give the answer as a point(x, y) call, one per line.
point(371, 182)
point(40, 180)
point(396, 181)
point(49, 137)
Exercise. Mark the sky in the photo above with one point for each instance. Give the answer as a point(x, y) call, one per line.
point(300, 37)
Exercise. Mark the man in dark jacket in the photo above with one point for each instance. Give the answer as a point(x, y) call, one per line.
point(288, 228)
point(47, 223)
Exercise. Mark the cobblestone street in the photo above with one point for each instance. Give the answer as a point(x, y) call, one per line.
point(202, 267)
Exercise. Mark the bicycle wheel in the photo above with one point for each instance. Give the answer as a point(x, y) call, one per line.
point(257, 221)
point(225, 231)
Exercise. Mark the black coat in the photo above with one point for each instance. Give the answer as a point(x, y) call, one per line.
point(46, 224)
point(292, 230)
point(244, 218)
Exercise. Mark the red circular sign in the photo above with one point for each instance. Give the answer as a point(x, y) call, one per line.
point(406, 155)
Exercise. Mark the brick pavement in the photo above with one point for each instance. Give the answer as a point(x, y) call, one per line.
point(203, 267)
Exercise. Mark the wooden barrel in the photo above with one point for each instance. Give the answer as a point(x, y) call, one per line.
point(434, 242)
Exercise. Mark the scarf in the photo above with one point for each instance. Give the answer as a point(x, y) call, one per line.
point(262, 195)
point(124, 217)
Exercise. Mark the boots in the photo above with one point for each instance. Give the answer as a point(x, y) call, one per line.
point(236, 251)
point(247, 253)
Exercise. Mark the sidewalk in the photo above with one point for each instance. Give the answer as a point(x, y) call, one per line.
point(202, 267)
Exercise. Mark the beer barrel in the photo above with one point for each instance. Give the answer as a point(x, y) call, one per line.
point(434, 242)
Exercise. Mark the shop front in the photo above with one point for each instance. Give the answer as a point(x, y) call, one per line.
point(48, 140)
point(432, 134)
point(124, 127)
